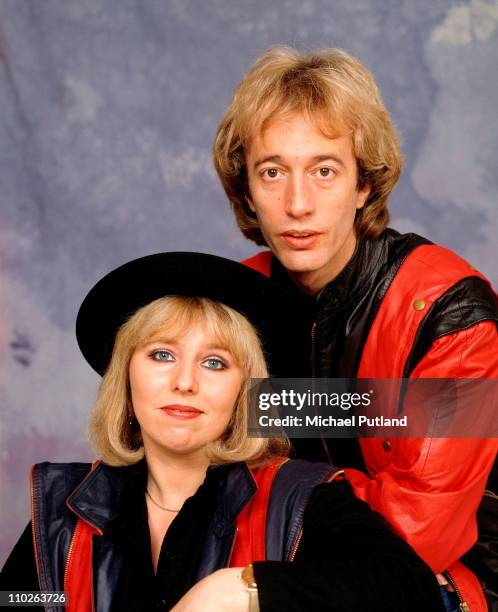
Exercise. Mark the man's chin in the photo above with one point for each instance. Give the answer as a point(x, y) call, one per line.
point(300, 261)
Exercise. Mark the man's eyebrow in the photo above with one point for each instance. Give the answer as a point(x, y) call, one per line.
point(315, 159)
point(327, 156)
point(269, 158)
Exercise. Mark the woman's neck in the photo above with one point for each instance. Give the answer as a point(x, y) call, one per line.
point(172, 479)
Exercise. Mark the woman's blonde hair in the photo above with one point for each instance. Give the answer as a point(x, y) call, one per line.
point(114, 431)
point(337, 93)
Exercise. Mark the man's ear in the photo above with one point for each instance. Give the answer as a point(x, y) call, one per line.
point(362, 195)
point(249, 203)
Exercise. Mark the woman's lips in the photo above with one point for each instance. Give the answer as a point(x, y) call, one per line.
point(183, 413)
point(305, 239)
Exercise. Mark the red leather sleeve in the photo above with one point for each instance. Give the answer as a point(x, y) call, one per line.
point(429, 489)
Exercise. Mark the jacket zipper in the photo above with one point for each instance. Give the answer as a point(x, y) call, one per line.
point(296, 544)
point(464, 606)
point(34, 530)
point(313, 338)
point(71, 546)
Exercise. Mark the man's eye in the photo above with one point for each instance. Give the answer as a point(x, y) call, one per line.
point(162, 356)
point(214, 363)
point(271, 173)
point(325, 172)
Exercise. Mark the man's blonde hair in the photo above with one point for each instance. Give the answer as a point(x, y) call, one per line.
point(336, 92)
point(114, 431)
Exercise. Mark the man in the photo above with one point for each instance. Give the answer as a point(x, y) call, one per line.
point(308, 156)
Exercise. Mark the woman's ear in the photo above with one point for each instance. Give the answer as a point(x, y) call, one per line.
point(134, 436)
point(236, 408)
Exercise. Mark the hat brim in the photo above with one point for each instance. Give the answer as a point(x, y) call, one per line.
point(122, 292)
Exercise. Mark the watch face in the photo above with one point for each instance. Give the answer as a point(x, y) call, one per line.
point(248, 577)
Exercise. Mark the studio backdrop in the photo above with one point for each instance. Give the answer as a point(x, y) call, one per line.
point(107, 115)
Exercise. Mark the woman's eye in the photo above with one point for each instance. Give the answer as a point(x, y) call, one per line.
point(213, 363)
point(162, 356)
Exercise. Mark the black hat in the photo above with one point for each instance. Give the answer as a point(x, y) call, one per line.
point(278, 318)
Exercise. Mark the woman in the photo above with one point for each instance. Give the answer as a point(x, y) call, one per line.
point(182, 501)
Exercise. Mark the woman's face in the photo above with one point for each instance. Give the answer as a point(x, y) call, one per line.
point(183, 391)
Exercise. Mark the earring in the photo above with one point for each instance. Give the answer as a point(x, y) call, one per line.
point(129, 410)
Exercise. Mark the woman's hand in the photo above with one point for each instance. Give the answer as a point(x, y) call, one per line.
point(222, 591)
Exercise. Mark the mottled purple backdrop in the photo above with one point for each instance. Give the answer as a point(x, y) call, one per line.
point(108, 111)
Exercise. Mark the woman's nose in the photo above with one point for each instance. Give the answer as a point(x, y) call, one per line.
point(185, 379)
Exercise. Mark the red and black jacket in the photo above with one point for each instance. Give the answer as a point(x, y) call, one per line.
point(260, 518)
point(403, 307)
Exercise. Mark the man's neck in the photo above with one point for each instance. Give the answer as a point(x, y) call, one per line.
point(308, 282)
point(314, 281)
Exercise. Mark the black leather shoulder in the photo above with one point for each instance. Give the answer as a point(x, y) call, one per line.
point(463, 305)
point(290, 493)
point(59, 478)
point(375, 266)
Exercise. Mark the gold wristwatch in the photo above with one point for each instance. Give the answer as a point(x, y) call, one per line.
point(247, 577)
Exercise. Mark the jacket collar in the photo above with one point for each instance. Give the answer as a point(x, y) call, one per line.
point(374, 262)
point(97, 498)
point(236, 489)
point(351, 281)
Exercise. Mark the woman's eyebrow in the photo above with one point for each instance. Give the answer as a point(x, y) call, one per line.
point(161, 340)
point(212, 346)
point(217, 347)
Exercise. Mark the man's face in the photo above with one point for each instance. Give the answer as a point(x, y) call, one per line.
point(303, 188)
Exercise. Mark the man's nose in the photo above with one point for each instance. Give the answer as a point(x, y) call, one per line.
point(185, 379)
point(298, 199)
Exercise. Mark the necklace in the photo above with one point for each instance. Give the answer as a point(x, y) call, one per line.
point(159, 505)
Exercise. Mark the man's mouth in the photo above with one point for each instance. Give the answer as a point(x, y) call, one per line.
point(301, 239)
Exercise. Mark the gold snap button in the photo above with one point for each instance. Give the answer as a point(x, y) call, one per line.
point(419, 304)
point(386, 445)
